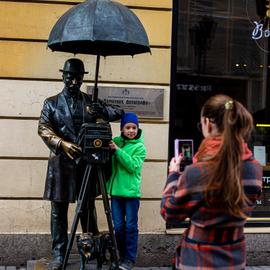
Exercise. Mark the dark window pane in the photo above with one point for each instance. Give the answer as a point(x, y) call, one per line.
point(216, 53)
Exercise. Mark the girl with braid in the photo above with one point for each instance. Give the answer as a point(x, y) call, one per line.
point(217, 192)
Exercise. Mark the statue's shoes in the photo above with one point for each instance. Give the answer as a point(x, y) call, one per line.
point(55, 264)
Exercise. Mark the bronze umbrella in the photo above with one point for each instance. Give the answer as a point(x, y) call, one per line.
point(99, 27)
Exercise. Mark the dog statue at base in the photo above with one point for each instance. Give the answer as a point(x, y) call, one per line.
point(93, 247)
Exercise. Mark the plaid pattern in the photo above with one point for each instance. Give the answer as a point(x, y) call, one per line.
point(215, 239)
point(192, 255)
point(215, 235)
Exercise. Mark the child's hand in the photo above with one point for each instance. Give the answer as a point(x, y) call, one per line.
point(175, 163)
point(113, 146)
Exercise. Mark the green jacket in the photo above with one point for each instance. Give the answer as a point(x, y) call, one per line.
point(127, 161)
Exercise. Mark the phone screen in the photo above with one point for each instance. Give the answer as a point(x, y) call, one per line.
point(186, 150)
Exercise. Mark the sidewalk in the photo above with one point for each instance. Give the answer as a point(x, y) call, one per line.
point(38, 265)
point(74, 265)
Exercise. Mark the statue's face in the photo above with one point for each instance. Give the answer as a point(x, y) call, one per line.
point(73, 81)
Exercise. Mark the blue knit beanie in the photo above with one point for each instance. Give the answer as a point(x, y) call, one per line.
point(129, 118)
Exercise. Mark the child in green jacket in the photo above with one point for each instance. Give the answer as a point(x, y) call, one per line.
point(124, 187)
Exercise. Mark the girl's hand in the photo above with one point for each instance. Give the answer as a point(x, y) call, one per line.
point(113, 146)
point(175, 164)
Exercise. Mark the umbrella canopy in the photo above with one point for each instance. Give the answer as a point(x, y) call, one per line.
point(99, 27)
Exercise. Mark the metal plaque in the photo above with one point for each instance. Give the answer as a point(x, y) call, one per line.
point(145, 102)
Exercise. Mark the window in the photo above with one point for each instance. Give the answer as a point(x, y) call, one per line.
point(214, 52)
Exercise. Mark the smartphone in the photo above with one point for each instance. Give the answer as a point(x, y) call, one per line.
point(185, 147)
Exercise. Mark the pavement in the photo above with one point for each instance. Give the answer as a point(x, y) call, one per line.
point(73, 264)
point(93, 267)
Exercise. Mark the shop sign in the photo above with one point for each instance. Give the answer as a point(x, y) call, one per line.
point(264, 202)
point(193, 87)
point(145, 102)
point(259, 32)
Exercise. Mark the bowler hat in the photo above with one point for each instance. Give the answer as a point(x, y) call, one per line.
point(73, 65)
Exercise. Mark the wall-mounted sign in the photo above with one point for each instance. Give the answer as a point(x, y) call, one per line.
point(145, 102)
point(258, 32)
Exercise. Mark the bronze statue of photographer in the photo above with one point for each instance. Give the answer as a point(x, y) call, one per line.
point(60, 122)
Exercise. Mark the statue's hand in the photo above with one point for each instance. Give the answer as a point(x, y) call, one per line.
point(96, 109)
point(72, 150)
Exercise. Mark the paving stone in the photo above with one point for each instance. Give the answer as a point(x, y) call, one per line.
point(31, 264)
point(169, 268)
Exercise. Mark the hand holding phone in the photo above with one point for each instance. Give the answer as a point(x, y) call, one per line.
point(175, 164)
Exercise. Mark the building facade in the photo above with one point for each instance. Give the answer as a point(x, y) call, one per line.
point(29, 72)
point(198, 48)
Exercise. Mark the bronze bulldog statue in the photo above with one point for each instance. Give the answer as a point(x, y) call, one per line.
point(93, 247)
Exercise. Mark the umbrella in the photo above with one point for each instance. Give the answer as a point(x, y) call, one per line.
point(99, 27)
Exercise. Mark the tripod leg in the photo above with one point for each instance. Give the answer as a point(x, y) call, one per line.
point(80, 201)
point(108, 212)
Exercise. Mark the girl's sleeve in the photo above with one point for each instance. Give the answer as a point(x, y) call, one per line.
point(131, 162)
point(180, 197)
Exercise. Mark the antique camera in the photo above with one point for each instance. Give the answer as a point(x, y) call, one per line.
point(94, 139)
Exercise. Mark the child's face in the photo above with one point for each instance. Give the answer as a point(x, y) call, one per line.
point(130, 130)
